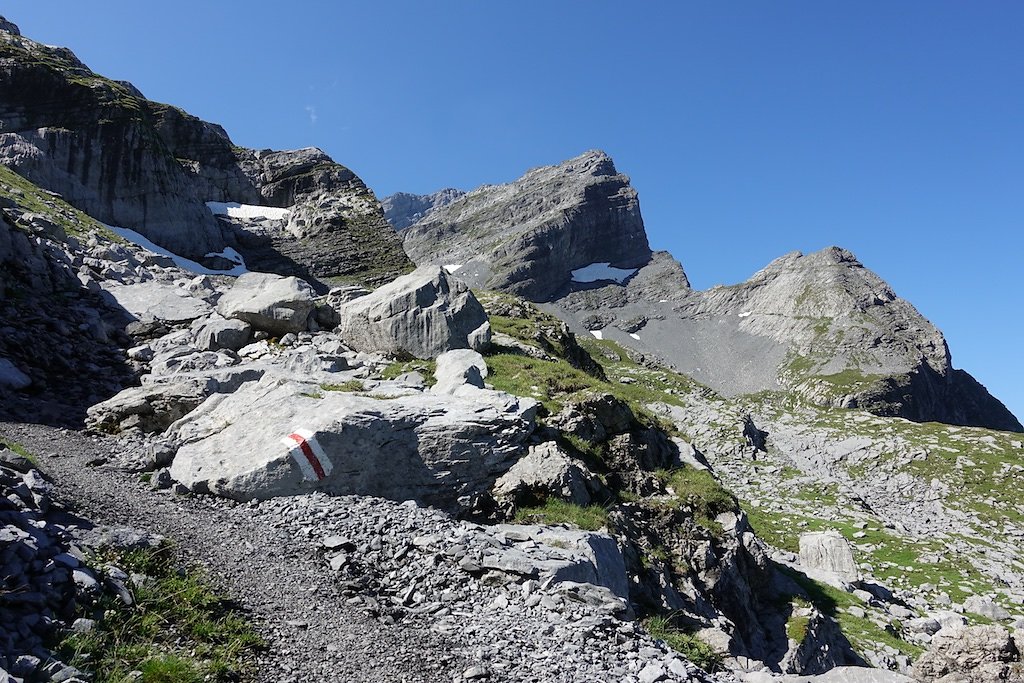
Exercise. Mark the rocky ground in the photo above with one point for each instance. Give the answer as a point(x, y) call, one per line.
point(349, 588)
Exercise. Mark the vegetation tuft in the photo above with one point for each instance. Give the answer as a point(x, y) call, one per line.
point(686, 644)
point(556, 511)
point(178, 629)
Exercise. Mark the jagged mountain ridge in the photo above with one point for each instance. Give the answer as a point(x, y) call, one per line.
point(821, 325)
point(151, 167)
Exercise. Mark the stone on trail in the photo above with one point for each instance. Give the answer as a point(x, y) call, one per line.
point(268, 302)
point(283, 437)
point(424, 313)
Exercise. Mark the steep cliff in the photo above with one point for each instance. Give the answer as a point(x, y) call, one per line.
point(151, 167)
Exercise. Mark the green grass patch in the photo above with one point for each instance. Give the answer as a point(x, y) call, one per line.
point(19, 449)
point(178, 629)
point(352, 385)
point(427, 368)
point(33, 199)
point(555, 511)
point(686, 644)
point(553, 383)
point(699, 490)
point(863, 633)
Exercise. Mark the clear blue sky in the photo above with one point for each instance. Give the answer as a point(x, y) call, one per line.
point(750, 129)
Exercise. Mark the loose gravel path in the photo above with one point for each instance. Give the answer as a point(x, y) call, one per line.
point(312, 634)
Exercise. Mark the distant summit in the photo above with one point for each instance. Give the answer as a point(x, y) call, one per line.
point(528, 236)
point(821, 325)
point(403, 209)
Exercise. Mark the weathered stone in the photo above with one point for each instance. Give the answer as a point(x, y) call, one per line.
point(545, 472)
point(595, 417)
point(986, 607)
point(272, 303)
point(423, 314)
point(828, 551)
point(459, 368)
point(409, 447)
point(158, 300)
point(216, 333)
point(11, 377)
point(975, 653)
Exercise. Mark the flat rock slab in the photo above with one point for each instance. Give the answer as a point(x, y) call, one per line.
point(161, 300)
point(282, 437)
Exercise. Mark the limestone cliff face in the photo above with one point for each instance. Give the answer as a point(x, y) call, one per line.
point(335, 228)
point(151, 167)
point(95, 141)
point(528, 236)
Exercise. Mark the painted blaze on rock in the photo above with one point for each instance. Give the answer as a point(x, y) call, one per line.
point(408, 447)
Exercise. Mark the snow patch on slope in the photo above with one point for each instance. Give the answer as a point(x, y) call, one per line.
point(236, 210)
point(180, 261)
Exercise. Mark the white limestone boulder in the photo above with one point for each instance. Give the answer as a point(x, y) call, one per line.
point(830, 553)
point(281, 437)
point(272, 303)
point(424, 313)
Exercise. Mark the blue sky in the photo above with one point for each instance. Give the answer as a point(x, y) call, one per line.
point(750, 129)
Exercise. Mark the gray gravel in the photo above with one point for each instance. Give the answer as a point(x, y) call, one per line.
point(295, 604)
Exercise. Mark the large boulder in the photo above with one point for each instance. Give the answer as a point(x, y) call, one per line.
point(969, 655)
point(545, 472)
point(556, 553)
point(424, 313)
point(215, 333)
point(154, 406)
point(830, 553)
point(285, 437)
point(595, 417)
point(268, 302)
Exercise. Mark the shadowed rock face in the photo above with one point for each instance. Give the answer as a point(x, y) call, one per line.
point(151, 167)
point(528, 236)
point(96, 142)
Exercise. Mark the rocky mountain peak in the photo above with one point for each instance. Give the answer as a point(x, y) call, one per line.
point(403, 209)
point(9, 27)
point(528, 236)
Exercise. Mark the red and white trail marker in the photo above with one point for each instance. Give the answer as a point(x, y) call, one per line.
point(309, 455)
